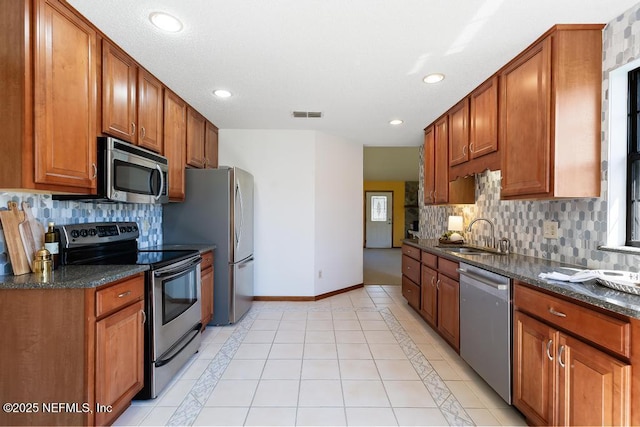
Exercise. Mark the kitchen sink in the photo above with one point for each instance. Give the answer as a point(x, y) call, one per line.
point(465, 250)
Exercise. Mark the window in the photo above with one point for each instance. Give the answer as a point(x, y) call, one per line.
point(633, 160)
point(378, 208)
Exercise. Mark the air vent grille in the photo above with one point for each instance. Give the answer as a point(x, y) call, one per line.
point(307, 114)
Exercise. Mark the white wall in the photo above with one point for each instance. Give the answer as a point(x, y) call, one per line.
point(281, 163)
point(338, 212)
point(308, 208)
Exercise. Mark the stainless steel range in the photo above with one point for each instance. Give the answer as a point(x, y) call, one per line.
point(172, 292)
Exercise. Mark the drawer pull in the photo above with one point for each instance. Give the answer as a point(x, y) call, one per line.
point(556, 313)
point(548, 348)
point(560, 356)
point(124, 294)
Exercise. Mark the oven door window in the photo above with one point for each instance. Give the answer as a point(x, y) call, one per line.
point(134, 178)
point(178, 294)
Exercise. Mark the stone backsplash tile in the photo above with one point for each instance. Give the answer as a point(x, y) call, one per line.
point(45, 209)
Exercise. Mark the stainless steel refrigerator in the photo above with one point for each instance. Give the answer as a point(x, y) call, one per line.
point(218, 209)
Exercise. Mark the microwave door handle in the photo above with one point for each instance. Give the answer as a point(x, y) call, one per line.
point(157, 196)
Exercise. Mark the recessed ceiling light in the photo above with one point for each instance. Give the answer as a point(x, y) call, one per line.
point(166, 22)
point(221, 93)
point(433, 78)
point(396, 122)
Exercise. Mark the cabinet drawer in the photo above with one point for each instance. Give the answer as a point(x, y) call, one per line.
point(207, 260)
point(606, 331)
point(430, 260)
point(119, 295)
point(411, 251)
point(411, 292)
point(448, 268)
point(411, 268)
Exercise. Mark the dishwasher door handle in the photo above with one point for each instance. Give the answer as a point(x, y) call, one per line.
point(483, 280)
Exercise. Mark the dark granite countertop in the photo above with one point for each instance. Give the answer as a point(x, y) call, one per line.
point(527, 269)
point(73, 276)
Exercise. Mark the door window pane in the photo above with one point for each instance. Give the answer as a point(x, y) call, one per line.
point(378, 208)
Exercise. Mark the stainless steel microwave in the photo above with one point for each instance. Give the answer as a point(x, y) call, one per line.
point(127, 173)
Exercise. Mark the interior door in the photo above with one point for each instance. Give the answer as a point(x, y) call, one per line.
point(379, 219)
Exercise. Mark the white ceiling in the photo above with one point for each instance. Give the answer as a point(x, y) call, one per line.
point(360, 62)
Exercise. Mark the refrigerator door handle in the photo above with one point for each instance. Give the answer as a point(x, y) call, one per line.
point(238, 231)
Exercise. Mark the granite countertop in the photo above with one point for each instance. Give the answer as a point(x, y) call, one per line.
point(73, 277)
point(527, 269)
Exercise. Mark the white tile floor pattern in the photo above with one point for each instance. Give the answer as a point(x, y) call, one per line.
point(358, 358)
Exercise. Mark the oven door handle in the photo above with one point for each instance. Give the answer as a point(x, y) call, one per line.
point(176, 270)
point(175, 352)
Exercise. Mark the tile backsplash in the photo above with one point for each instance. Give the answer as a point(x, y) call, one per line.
point(45, 209)
point(582, 223)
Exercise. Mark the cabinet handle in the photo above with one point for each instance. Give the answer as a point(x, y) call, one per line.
point(142, 132)
point(133, 128)
point(124, 294)
point(556, 313)
point(464, 150)
point(560, 356)
point(438, 284)
point(95, 171)
point(144, 316)
point(548, 350)
point(433, 279)
point(471, 147)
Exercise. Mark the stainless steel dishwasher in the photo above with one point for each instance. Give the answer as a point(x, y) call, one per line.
point(485, 326)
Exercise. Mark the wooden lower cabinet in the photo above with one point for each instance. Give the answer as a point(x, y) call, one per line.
point(119, 367)
point(429, 305)
point(72, 346)
point(449, 310)
point(207, 288)
point(561, 380)
point(411, 291)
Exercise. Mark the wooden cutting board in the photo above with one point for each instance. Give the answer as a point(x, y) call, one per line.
point(11, 220)
point(32, 234)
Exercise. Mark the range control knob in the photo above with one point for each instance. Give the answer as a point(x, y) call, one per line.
point(84, 232)
point(129, 229)
point(75, 234)
point(123, 230)
point(92, 232)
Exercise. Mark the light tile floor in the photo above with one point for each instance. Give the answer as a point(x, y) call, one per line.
point(358, 358)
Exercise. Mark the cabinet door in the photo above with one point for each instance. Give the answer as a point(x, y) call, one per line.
point(429, 306)
point(429, 163)
point(210, 145)
point(65, 93)
point(195, 138)
point(119, 359)
point(534, 350)
point(207, 295)
point(441, 165)
point(483, 122)
point(119, 81)
point(525, 108)
point(459, 133)
point(593, 387)
point(150, 109)
point(449, 310)
point(175, 111)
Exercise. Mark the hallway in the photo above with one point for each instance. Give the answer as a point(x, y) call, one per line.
point(382, 266)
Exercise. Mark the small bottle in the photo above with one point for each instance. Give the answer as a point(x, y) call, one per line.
point(52, 244)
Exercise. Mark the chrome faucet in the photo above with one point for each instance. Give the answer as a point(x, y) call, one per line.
point(490, 240)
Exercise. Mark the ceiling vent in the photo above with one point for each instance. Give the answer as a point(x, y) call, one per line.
point(307, 114)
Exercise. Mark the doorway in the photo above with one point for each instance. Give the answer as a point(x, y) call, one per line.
point(379, 219)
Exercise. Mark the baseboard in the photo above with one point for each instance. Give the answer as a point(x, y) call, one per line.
point(310, 298)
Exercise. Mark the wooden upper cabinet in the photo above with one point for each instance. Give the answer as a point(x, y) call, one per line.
point(550, 116)
point(64, 103)
point(483, 122)
point(429, 163)
point(119, 83)
point(195, 138)
point(132, 100)
point(150, 112)
point(175, 121)
point(441, 166)
point(459, 133)
point(210, 145)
